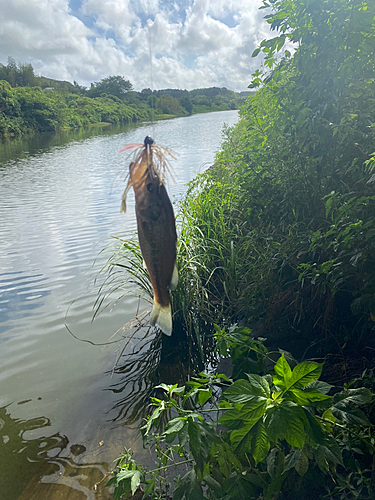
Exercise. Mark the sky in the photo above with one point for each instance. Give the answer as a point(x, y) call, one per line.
point(156, 44)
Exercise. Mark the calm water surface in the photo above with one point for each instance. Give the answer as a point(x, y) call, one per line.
point(60, 198)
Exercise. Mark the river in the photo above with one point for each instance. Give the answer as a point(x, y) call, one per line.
point(60, 205)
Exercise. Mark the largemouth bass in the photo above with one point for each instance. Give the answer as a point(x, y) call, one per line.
point(156, 227)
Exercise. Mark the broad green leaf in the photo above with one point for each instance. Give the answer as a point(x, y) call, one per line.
point(344, 413)
point(259, 385)
point(227, 452)
point(360, 396)
point(275, 462)
point(112, 481)
point(232, 419)
point(189, 486)
point(241, 439)
point(242, 390)
point(306, 396)
point(261, 444)
point(125, 474)
point(175, 425)
point(195, 442)
point(212, 483)
point(283, 371)
point(203, 396)
point(286, 421)
point(329, 452)
point(303, 374)
point(314, 429)
point(295, 433)
point(291, 459)
point(320, 386)
point(135, 481)
point(302, 464)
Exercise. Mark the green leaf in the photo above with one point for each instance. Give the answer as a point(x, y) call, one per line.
point(135, 481)
point(113, 480)
point(175, 425)
point(260, 386)
point(256, 52)
point(275, 462)
point(149, 488)
point(306, 396)
point(320, 386)
point(227, 452)
point(203, 396)
point(241, 439)
point(283, 371)
point(125, 474)
point(360, 396)
point(212, 483)
point(242, 391)
point(261, 444)
point(297, 460)
point(286, 421)
point(189, 486)
point(302, 464)
point(303, 374)
point(291, 459)
point(195, 442)
point(232, 419)
point(330, 451)
point(344, 413)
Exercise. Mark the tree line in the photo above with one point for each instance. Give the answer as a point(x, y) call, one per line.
point(35, 103)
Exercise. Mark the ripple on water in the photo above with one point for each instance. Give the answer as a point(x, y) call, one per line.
point(59, 208)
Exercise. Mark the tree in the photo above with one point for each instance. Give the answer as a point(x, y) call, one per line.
point(113, 85)
point(187, 104)
point(168, 105)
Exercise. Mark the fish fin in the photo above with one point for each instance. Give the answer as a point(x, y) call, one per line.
point(123, 199)
point(174, 281)
point(162, 317)
point(123, 205)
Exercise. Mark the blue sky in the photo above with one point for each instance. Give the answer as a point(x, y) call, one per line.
point(193, 43)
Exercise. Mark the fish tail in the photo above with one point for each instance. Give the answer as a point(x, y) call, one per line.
point(174, 281)
point(162, 317)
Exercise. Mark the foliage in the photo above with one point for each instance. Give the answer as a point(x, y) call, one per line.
point(292, 189)
point(27, 109)
point(258, 436)
point(113, 85)
point(111, 100)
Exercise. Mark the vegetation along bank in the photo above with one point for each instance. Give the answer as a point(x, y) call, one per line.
point(30, 103)
point(278, 236)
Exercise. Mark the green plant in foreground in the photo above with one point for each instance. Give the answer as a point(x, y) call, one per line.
point(257, 437)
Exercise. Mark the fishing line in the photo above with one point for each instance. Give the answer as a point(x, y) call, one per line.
point(153, 98)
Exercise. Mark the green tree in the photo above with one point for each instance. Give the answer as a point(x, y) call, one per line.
point(113, 85)
point(168, 105)
point(187, 104)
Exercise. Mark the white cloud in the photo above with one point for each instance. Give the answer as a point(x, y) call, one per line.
point(111, 15)
point(194, 43)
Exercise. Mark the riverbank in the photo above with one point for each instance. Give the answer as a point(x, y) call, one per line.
point(279, 236)
point(29, 109)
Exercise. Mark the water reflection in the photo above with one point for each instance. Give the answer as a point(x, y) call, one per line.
point(37, 143)
point(35, 466)
point(155, 360)
point(18, 294)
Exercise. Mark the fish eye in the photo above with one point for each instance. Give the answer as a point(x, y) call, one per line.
point(150, 187)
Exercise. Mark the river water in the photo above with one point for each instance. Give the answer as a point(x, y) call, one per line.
point(60, 197)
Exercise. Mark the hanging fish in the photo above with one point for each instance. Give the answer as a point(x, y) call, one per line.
point(156, 225)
